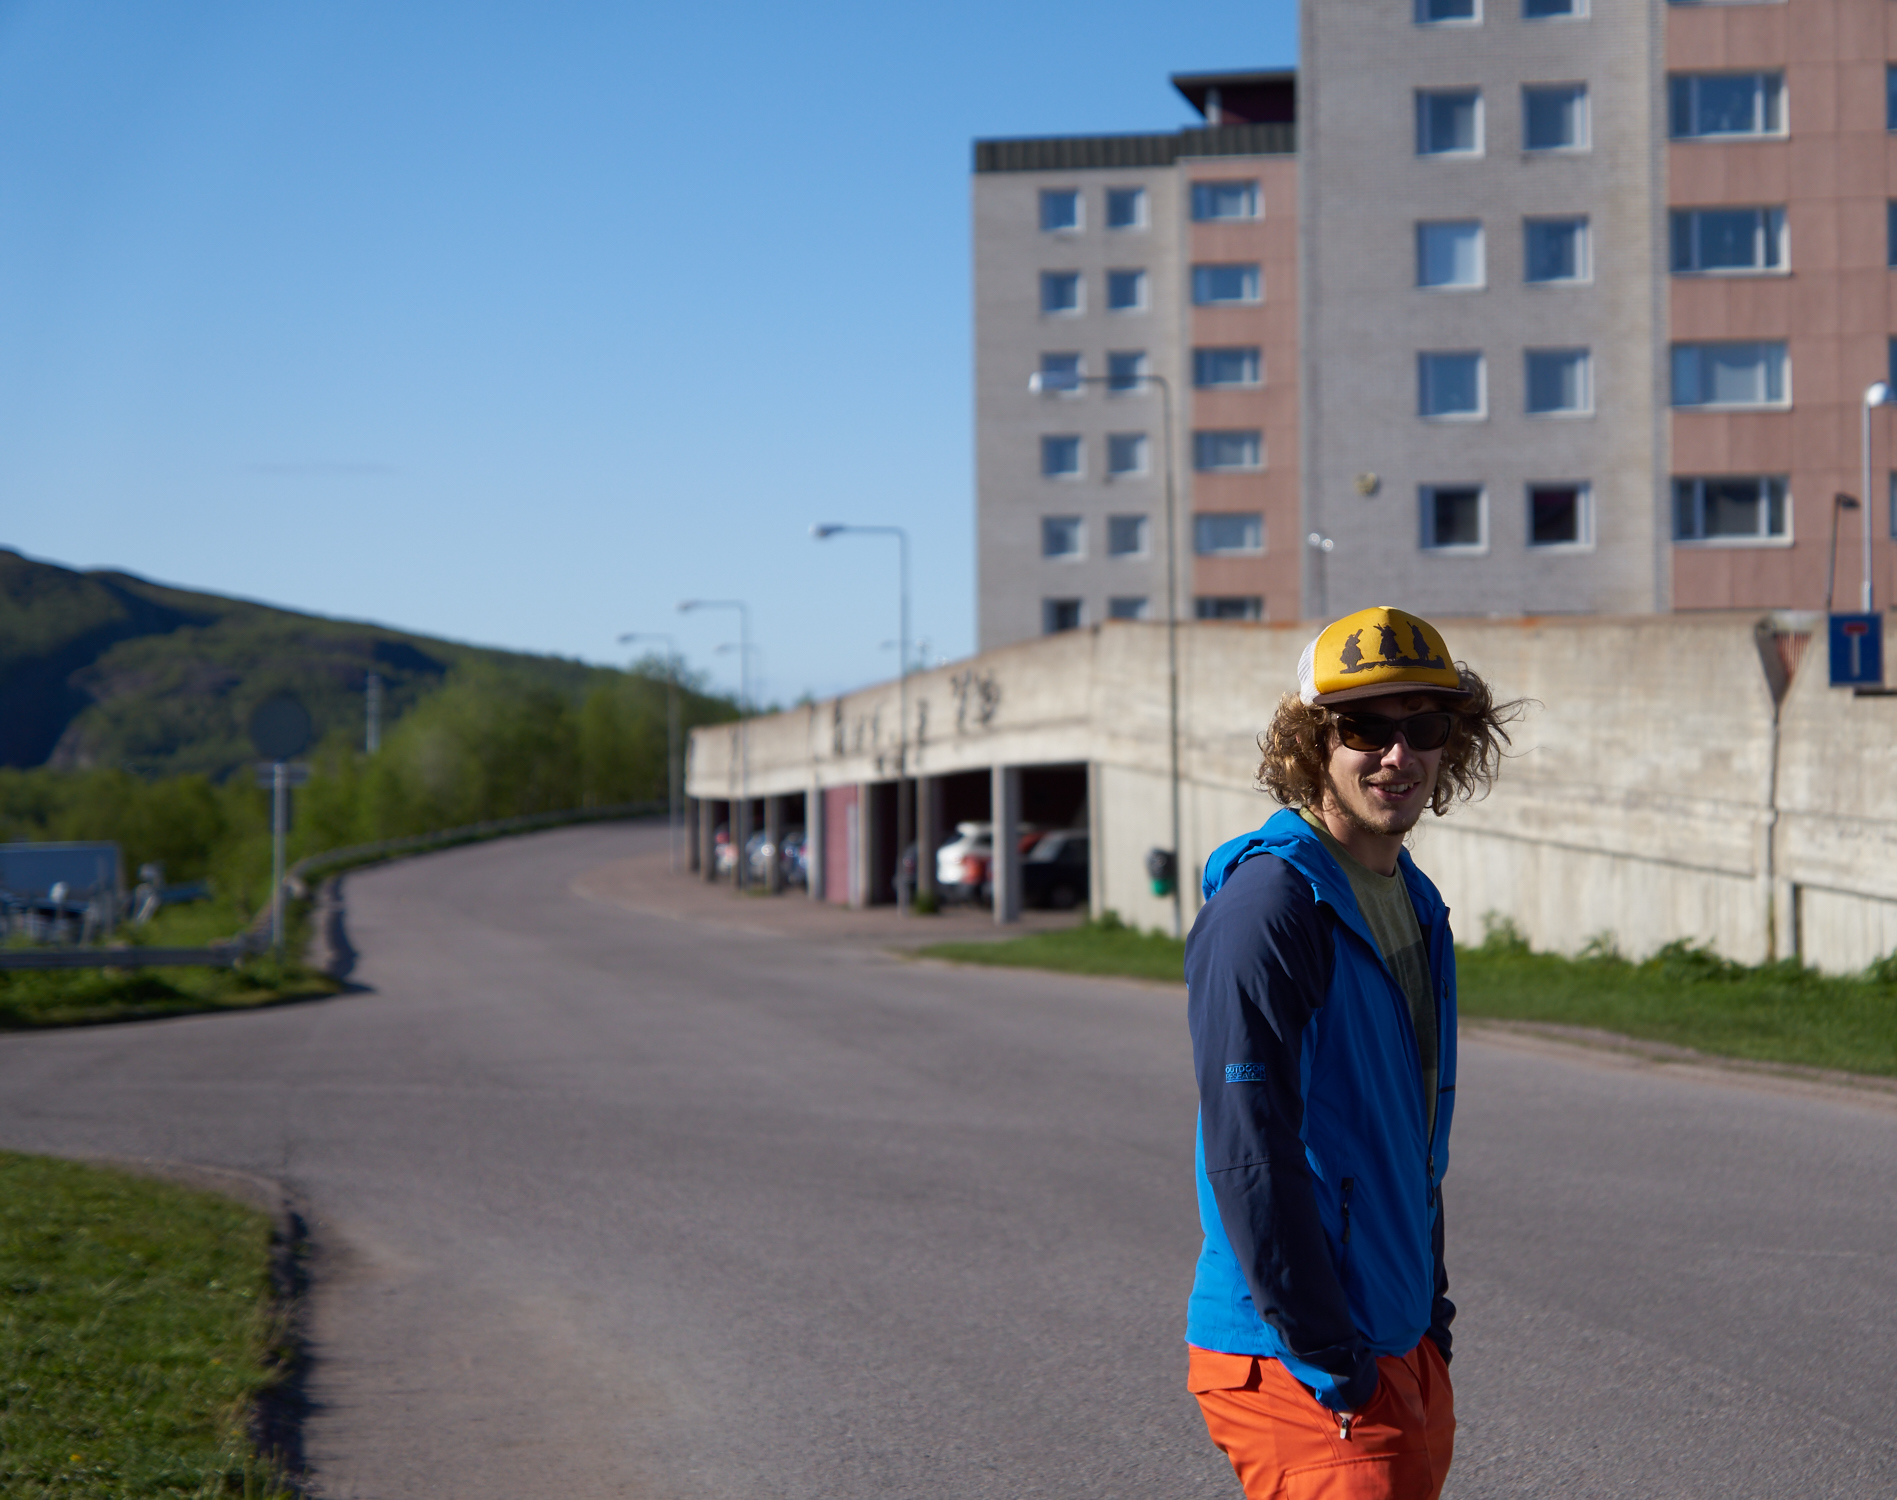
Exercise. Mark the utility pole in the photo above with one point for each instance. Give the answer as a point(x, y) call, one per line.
point(674, 761)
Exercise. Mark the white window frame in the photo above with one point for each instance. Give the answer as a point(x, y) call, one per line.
point(1424, 149)
point(1054, 383)
point(1570, 148)
point(1560, 413)
point(1759, 539)
point(1141, 446)
point(1423, 229)
point(1139, 220)
point(1257, 354)
point(1771, 222)
point(1258, 449)
point(1080, 295)
point(1136, 383)
point(1426, 520)
point(1578, 12)
point(1064, 476)
point(1782, 403)
point(1481, 412)
point(1692, 79)
point(1142, 607)
point(1257, 293)
point(1586, 238)
point(1424, 18)
point(1584, 522)
point(1143, 524)
point(1078, 532)
point(1254, 199)
point(1048, 607)
point(1080, 210)
point(1249, 549)
point(1140, 281)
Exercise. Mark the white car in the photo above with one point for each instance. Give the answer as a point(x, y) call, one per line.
point(961, 865)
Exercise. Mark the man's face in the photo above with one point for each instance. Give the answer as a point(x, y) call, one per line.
point(1384, 791)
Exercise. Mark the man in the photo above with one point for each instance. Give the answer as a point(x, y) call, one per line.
point(1323, 1012)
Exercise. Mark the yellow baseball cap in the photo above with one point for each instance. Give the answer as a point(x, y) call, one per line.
point(1375, 651)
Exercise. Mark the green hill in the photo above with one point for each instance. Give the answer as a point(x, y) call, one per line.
point(104, 669)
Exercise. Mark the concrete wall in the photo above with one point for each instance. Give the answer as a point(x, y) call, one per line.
point(1649, 793)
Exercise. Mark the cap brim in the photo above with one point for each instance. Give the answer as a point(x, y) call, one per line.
point(1385, 690)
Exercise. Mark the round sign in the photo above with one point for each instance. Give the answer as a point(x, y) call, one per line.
point(280, 727)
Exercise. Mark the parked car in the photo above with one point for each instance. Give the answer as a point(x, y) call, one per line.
point(794, 858)
point(724, 859)
point(962, 864)
point(759, 851)
point(1055, 871)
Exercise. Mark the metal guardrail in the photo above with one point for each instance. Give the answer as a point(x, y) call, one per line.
point(256, 937)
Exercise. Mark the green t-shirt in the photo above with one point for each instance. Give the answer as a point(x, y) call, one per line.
point(1385, 903)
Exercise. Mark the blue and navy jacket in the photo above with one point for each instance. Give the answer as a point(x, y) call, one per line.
point(1318, 1177)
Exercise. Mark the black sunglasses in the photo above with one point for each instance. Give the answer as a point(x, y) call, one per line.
point(1428, 731)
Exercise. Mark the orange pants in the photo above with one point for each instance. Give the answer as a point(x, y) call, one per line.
point(1284, 1446)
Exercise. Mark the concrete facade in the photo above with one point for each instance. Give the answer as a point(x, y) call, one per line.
point(1657, 789)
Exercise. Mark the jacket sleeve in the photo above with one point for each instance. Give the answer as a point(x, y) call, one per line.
point(1442, 1312)
point(1258, 964)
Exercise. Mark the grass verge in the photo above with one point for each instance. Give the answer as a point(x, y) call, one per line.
point(138, 1330)
point(32, 998)
point(1684, 995)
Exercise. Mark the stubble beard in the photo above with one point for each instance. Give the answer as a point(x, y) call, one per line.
point(1397, 824)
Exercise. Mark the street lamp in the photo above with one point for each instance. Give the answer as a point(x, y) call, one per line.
point(740, 824)
point(823, 531)
point(1875, 394)
point(1839, 501)
point(1040, 384)
point(1323, 546)
point(674, 799)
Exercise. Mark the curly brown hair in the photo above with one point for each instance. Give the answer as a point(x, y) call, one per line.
point(1297, 747)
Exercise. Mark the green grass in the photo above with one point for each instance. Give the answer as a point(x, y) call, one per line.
point(1683, 995)
point(138, 1329)
point(80, 997)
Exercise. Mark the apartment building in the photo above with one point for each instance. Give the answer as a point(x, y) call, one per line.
point(1119, 281)
point(1588, 296)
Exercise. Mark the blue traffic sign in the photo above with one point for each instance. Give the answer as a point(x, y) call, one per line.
point(1857, 650)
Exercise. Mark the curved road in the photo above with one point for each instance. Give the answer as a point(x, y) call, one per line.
point(616, 1190)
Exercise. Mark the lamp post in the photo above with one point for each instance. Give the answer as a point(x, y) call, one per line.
point(1875, 394)
point(823, 531)
point(674, 792)
point(686, 606)
point(1839, 501)
point(1323, 546)
point(1042, 385)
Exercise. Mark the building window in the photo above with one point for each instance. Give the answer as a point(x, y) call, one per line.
point(1212, 285)
point(1060, 291)
point(1450, 384)
point(1560, 382)
point(1224, 200)
point(1126, 453)
point(1748, 508)
point(1890, 97)
point(1433, 12)
point(1126, 208)
point(1712, 240)
point(1555, 250)
point(1215, 452)
point(1890, 232)
point(1126, 291)
point(1228, 533)
point(1554, 117)
point(1061, 372)
point(1058, 615)
point(1126, 536)
point(1060, 209)
point(1228, 607)
point(1731, 374)
point(1060, 457)
point(1238, 365)
point(1449, 254)
point(1448, 122)
point(1455, 518)
point(1126, 371)
point(1127, 608)
point(1560, 515)
point(1893, 503)
point(1548, 10)
point(1701, 105)
point(1061, 536)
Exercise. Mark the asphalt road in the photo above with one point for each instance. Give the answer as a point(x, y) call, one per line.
point(614, 1203)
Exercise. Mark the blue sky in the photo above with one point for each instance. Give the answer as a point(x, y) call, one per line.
point(517, 324)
